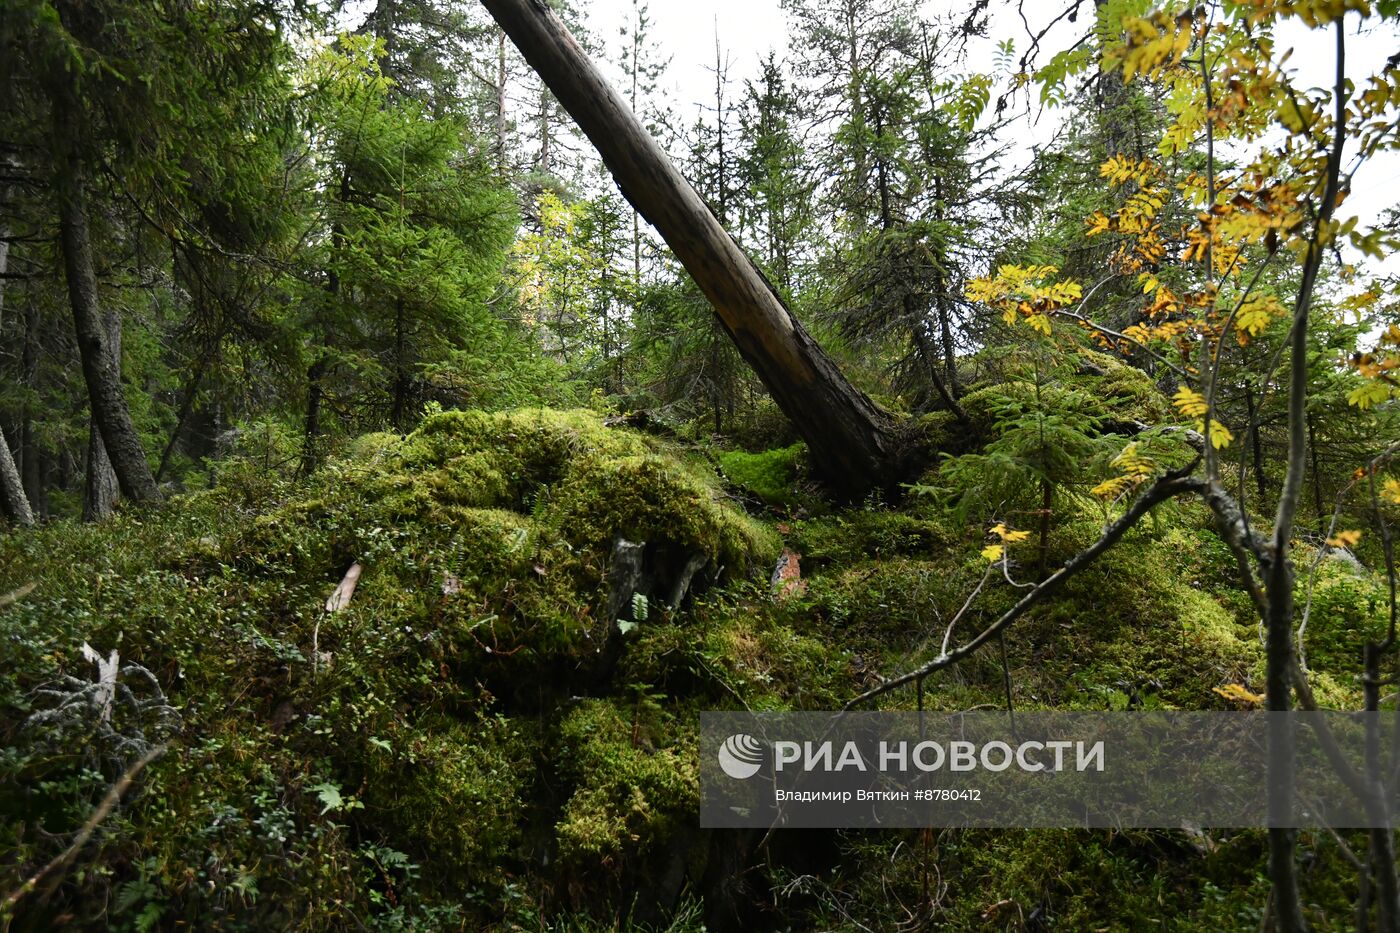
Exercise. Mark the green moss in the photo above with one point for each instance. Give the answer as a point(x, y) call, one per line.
point(636, 783)
point(642, 498)
point(1348, 609)
point(484, 542)
point(768, 475)
point(939, 431)
point(492, 773)
point(871, 534)
point(1128, 393)
point(459, 791)
point(1133, 629)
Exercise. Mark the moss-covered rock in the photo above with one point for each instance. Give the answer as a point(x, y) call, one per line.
point(1128, 393)
point(398, 741)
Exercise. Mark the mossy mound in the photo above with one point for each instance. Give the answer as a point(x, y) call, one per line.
point(1124, 394)
point(414, 755)
point(1128, 393)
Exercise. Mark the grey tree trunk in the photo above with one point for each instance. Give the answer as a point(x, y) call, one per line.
point(101, 365)
point(33, 469)
point(854, 443)
point(12, 497)
point(501, 78)
point(100, 488)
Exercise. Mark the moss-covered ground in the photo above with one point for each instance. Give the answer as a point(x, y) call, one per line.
point(472, 743)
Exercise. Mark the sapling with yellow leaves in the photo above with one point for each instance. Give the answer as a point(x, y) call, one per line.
point(1264, 229)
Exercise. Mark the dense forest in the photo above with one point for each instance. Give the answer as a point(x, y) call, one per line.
point(414, 415)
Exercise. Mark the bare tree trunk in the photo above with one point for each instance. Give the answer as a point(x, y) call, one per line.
point(544, 165)
point(855, 444)
point(29, 466)
point(12, 497)
point(1255, 448)
point(924, 346)
point(187, 405)
point(310, 450)
point(100, 485)
point(1318, 507)
point(101, 361)
point(501, 77)
point(320, 366)
point(400, 406)
point(856, 91)
point(1278, 577)
point(941, 302)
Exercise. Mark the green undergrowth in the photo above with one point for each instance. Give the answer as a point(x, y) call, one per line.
point(471, 743)
point(410, 760)
point(769, 474)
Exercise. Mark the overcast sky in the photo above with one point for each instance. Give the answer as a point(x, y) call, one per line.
point(685, 31)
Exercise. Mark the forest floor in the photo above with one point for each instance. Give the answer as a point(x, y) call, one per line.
point(468, 739)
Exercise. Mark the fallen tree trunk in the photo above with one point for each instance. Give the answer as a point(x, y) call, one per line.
point(854, 443)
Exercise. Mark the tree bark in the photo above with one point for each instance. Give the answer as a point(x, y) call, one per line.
point(310, 452)
point(854, 443)
point(31, 472)
point(12, 497)
point(941, 301)
point(186, 406)
point(100, 485)
point(101, 365)
point(1256, 450)
point(1318, 507)
point(400, 406)
point(501, 77)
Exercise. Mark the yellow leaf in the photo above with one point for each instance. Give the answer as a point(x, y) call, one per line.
point(1220, 436)
point(1190, 402)
point(1368, 394)
point(1296, 115)
point(1110, 488)
point(1256, 313)
point(1390, 490)
point(993, 552)
point(1040, 322)
point(1348, 538)
point(1238, 693)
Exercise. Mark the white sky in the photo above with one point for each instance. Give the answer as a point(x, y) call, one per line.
point(685, 31)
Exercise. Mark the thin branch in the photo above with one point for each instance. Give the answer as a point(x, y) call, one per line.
point(109, 802)
point(1173, 484)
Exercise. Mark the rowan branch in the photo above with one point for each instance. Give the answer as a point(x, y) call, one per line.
point(1173, 484)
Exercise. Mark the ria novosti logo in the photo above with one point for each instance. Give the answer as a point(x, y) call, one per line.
point(741, 756)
